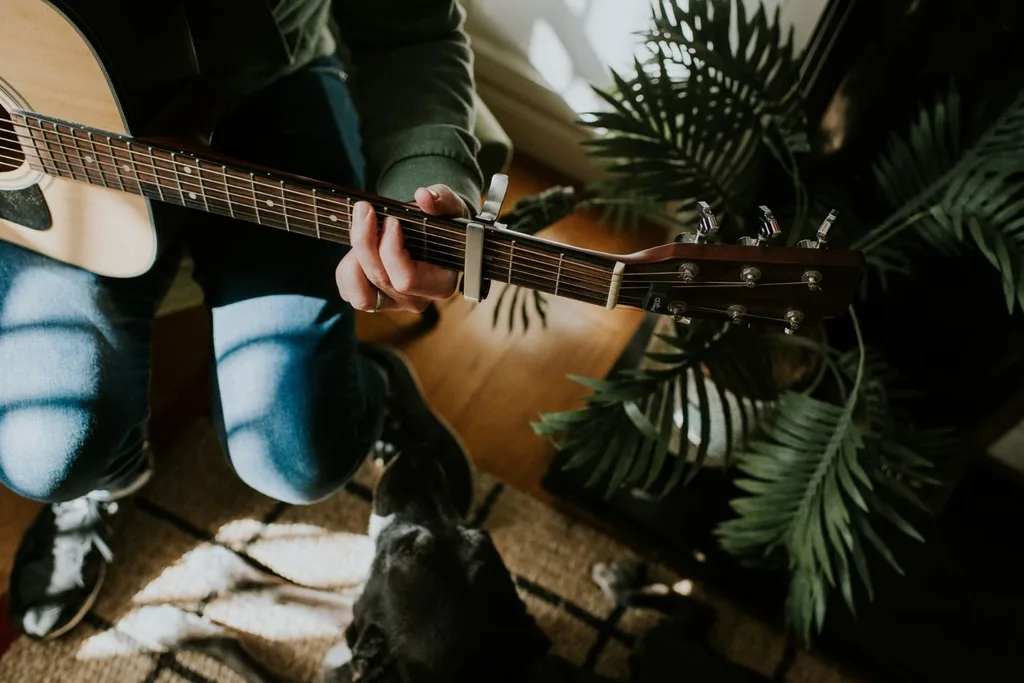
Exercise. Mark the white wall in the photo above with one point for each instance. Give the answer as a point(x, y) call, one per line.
point(537, 60)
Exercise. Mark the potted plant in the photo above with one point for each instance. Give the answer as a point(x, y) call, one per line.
point(811, 428)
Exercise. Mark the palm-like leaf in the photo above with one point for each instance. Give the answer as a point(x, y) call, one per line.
point(662, 147)
point(817, 481)
point(758, 78)
point(956, 191)
point(627, 430)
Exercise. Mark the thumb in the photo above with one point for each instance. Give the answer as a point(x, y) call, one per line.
point(441, 200)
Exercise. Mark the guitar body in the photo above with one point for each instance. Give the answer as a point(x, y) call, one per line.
point(48, 67)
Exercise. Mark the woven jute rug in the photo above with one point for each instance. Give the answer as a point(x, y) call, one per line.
point(181, 541)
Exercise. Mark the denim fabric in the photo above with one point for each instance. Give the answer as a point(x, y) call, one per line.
point(296, 407)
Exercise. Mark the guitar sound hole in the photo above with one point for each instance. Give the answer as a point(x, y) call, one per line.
point(11, 156)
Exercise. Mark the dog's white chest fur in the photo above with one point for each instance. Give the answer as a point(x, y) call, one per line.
point(379, 524)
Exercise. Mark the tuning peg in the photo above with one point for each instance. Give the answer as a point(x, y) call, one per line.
point(677, 310)
point(823, 230)
point(768, 229)
point(793, 320)
point(707, 225)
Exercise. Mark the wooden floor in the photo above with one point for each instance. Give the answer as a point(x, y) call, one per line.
point(488, 383)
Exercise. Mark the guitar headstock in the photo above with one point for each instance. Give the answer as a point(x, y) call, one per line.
point(753, 282)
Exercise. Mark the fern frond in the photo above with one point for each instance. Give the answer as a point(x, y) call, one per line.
point(658, 146)
point(760, 76)
point(818, 481)
point(956, 191)
point(635, 428)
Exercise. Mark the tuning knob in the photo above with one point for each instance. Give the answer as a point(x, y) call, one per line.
point(707, 225)
point(767, 229)
point(793, 320)
point(823, 230)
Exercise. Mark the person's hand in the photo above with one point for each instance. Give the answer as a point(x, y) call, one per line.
point(382, 264)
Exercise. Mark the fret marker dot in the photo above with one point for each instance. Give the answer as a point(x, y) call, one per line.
point(88, 160)
point(187, 169)
point(191, 195)
point(270, 202)
point(334, 219)
point(127, 168)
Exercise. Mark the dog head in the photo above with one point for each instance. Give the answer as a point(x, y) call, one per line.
point(440, 604)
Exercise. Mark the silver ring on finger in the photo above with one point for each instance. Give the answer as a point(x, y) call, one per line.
point(380, 302)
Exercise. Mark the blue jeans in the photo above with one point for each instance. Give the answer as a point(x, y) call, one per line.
point(296, 406)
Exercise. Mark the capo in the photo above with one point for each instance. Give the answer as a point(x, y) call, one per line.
point(474, 286)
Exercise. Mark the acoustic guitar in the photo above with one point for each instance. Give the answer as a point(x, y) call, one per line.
point(76, 186)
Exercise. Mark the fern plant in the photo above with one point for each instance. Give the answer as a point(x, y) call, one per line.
point(819, 470)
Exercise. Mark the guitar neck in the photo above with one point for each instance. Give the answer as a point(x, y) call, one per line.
point(302, 206)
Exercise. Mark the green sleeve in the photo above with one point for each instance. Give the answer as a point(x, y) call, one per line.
point(412, 83)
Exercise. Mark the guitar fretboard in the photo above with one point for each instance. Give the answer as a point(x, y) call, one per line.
point(298, 205)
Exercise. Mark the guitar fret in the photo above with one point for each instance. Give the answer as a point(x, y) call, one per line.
point(558, 274)
point(316, 212)
point(57, 137)
point(423, 244)
point(36, 139)
point(255, 201)
point(511, 258)
point(284, 209)
point(202, 186)
point(141, 172)
point(83, 160)
point(227, 191)
point(156, 175)
point(176, 166)
point(112, 163)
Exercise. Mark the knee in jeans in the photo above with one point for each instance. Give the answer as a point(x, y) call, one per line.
point(293, 463)
point(50, 453)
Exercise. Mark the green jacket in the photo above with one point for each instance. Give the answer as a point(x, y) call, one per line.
point(409, 62)
point(412, 81)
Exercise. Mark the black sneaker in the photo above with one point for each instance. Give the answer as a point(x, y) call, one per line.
point(62, 560)
point(411, 421)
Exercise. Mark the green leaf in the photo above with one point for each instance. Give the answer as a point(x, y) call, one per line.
point(756, 78)
point(655, 147)
point(816, 479)
point(956, 190)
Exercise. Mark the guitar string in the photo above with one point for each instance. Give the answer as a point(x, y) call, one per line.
point(630, 300)
point(178, 178)
point(414, 235)
point(522, 264)
point(629, 279)
point(252, 179)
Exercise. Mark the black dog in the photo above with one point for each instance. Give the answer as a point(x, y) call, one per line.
point(439, 604)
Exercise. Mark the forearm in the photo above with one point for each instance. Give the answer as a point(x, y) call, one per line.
point(412, 81)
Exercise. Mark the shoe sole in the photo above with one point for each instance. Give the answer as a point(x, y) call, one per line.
point(82, 611)
point(410, 372)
